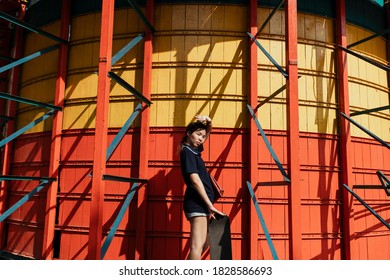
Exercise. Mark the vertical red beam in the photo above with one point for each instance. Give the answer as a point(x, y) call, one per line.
point(101, 130)
point(51, 200)
point(387, 7)
point(253, 133)
point(13, 89)
point(345, 132)
point(295, 229)
point(140, 237)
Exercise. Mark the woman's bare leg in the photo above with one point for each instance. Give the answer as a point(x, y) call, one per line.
point(198, 237)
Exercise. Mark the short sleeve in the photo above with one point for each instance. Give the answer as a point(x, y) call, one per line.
point(188, 161)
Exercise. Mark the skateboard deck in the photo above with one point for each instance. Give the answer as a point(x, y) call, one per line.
point(220, 238)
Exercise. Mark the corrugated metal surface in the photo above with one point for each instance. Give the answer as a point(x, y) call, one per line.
point(200, 67)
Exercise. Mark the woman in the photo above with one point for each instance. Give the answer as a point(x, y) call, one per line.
point(199, 194)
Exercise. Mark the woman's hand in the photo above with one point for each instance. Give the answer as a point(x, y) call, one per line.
point(214, 210)
point(203, 119)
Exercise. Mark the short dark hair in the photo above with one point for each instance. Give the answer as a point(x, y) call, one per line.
point(191, 128)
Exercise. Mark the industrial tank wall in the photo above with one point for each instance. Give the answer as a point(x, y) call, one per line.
point(200, 64)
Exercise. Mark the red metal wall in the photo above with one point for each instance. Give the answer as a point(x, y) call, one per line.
point(201, 73)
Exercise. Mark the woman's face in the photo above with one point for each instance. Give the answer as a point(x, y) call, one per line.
point(197, 138)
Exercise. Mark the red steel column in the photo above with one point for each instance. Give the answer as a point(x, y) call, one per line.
point(13, 89)
point(101, 130)
point(293, 129)
point(51, 201)
point(140, 237)
point(387, 7)
point(345, 132)
point(253, 133)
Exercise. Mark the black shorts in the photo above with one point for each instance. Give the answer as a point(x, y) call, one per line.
point(194, 206)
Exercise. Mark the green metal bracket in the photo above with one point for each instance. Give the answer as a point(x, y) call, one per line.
point(368, 38)
point(27, 58)
point(269, 147)
point(123, 179)
point(270, 17)
point(24, 199)
point(118, 138)
point(27, 127)
point(281, 89)
point(383, 221)
point(384, 143)
point(366, 59)
point(29, 101)
point(262, 222)
point(128, 87)
point(127, 48)
point(118, 219)
point(370, 111)
point(141, 15)
point(385, 184)
point(31, 28)
point(273, 61)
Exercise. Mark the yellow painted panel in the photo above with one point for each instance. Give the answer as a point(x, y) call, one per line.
point(191, 17)
point(278, 116)
point(84, 56)
point(81, 85)
point(162, 49)
point(131, 77)
point(133, 56)
point(180, 112)
point(127, 21)
point(190, 50)
point(318, 119)
point(232, 51)
point(86, 27)
point(161, 81)
point(330, 65)
point(164, 110)
point(163, 18)
point(204, 48)
point(310, 27)
point(262, 15)
point(263, 85)
point(261, 58)
point(264, 115)
point(45, 64)
point(217, 82)
point(235, 12)
point(276, 82)
point(303, 121)
point(352, 35)
point(42, 91)
point(178, 53)
point(277, 23)
point(31, 115)
point(354, 96)
point(178, 14)
point(80, 116)
point(120, 111)
point(353, 66)
point(218, 17)
point(330, 30)
point(301, 26)
point(203, 81)
point(205, 16)
point(217, 48)
point(178, 76)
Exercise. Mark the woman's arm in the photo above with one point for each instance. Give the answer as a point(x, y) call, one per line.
point(207, 121)
point(197, 183)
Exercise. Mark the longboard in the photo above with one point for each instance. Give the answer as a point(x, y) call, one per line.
point(220, 238)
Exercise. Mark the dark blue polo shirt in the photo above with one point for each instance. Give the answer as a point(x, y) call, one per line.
point(192, 162)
